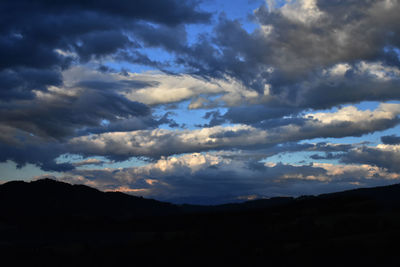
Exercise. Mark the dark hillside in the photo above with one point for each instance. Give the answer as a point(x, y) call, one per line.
point(48, 223)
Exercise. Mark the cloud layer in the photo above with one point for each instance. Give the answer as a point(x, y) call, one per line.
point(215, 105)
point(191, 177)
point(160, 142)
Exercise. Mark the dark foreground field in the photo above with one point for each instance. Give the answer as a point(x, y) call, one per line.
point(48, 223)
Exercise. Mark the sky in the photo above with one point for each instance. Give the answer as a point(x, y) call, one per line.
point(201, 102)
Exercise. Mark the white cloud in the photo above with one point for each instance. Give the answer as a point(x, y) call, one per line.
point(378, 70)
point(159, 142)
point(356, 171)
point(162, 88)
point(172, 88)
point(338, 69)
point(352, 114)
point(303, 11)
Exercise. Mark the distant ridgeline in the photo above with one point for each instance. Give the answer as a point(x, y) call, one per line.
point(50, 223)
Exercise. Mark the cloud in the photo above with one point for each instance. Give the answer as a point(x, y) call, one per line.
point(361, 175)
point(347, 121)
point(61, 112)
point(328, 156)
point(39, 39)
point(390, 140)
point(169, 88)
point(338, 32)
point(90, 161)
point(66, 88)
point(19, 83)
point(302, 11)
point(160, 142)
point(130, 130)
point(158, 88)
point(256, 115)
point(215, 176)
point(335, 85)
point(383, 156)
point(42, 155)
point(344, 83)
point(309, 54)
point(206, 175)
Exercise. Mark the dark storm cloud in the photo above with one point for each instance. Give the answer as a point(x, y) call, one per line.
point(131, 124)
point(40, 39)
point(42, 155)
point(328, 156)
point(64, 115)
point(354, 86)
point(391, 139)
point(256, 115)
point(169, 38)
point(159, 11)
point(136, 57)
point(169, 12)
point(327, 147)
point(336, 31)
point(19, 83)
point(227, 53)
point(215, 118)
point(384, 158)
point(98, 44)
point(44, 37)
point(296, 47)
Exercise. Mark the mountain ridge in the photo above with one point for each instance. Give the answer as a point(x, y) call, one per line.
point(51, 223)
point(385, 193)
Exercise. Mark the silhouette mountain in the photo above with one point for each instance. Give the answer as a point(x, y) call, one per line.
point(50, 223)
point(50, 198)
